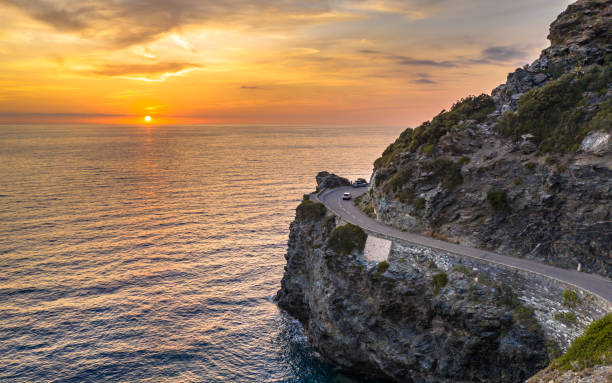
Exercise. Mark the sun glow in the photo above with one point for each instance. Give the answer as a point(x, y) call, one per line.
point(148, 118)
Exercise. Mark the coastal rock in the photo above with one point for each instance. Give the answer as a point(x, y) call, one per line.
point(600, 374)
point(326, 180)
point(598, 143)
point(407, 321)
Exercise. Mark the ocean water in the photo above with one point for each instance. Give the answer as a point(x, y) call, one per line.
point(151, 254)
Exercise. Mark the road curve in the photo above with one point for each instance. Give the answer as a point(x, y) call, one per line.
point(332, 199)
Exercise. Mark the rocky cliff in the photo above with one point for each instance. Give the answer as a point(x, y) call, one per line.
point(406, 319)
point(525, 171)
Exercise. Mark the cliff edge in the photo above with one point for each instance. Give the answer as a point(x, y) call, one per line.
point(405, 319)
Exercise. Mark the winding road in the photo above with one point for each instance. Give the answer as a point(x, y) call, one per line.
point(332, 199)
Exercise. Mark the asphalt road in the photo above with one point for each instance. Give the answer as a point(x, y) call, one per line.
point(349, 212)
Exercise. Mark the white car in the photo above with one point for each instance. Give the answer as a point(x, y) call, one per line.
point(347, 196)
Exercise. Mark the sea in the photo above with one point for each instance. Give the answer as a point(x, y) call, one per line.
point(153, 253)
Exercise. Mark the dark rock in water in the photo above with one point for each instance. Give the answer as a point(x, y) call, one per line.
point(326, 180)
point(410, 322)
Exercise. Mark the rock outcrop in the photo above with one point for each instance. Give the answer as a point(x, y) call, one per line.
point(404, 320)
point(526, 171)
point(600, 374)
point(326, 180)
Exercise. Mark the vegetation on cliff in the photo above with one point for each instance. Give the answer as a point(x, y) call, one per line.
point(346, 238)
point(591, 349)
point(474, 108)
point(561, 114)
point(310, 211)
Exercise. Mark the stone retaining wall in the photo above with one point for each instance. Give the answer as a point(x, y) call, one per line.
point(543, 294)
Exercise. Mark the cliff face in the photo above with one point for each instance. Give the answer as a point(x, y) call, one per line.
point(526, 171)
point(405, 320)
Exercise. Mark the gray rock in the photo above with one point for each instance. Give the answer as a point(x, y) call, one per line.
point(326, 180)
point(528, 147)
point(598, 143)
point(540, 78)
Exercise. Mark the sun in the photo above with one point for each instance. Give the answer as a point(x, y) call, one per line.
point(148, 118)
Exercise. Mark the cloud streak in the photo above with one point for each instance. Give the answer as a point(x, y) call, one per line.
point(129, 22)
point(144, 69)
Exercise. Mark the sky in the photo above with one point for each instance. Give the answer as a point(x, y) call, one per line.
point(328, 62)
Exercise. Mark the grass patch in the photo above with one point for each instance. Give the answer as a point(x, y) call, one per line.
point(346, 238)
point(524, 315)
point(518, 181)
point(498, 200)
point(439, 281)
point(310, 211)
point(428, 149)
point(464, 270)
point(445, 171)
point(420, 204)
point(567, 318)
point(591, 349)
point(381, 268)
point(464, 160)
point(406, 196)
point(560, 169)
point(530, 165)
point(570, 298)
point(369, 210)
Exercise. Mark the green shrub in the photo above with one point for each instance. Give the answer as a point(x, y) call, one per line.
point(382, 267)
point(498, 200)
point(464, 160)
point(518, 181)
point(406, 196)
point(369, 210)
point(550, 160)
point(530, 165)
point(567, 318)
point(439, 281)
point(310, 211)
point(428, 149)
point(392, 151)
point(420, 204)
point(570, 298)
point(446, 171)
point(346, 238)
point(591, 349)
point(560, 169)
point(464, 270)
point(526, 317)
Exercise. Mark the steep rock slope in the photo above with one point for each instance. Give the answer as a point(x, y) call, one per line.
point(526, 171)
point(404, 320)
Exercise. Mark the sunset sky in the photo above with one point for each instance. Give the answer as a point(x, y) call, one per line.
point(395, 62)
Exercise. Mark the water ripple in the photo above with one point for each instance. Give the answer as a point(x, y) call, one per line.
point(150, 254)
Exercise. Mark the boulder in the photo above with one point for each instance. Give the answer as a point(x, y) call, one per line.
point(597, 143)
point(326, 180)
